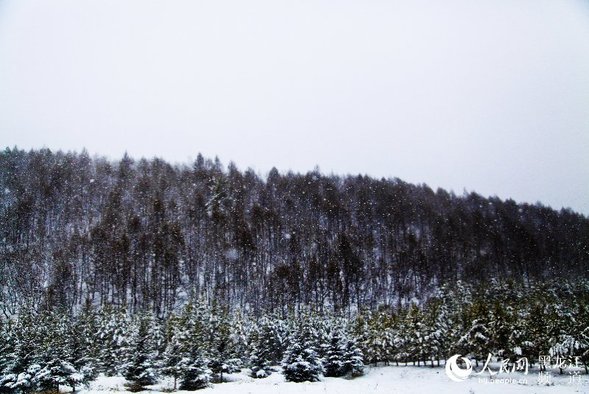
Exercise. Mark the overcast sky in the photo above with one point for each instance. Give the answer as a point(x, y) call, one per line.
point(490, 96)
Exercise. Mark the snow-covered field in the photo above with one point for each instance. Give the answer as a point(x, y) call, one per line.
point(390, 380)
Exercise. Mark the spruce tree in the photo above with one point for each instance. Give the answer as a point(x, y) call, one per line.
point(113, 340)
point(194, 373)
point(260, 354)
point(334, 360)
point(58, 372)
point(415, 335)
point(301, 362)
point(193, 369)
point(141, 365)
point(173, 353)
point(353, 364)
point(477, 341)
point(219, 346)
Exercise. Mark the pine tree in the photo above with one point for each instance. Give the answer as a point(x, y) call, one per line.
point(374, 340)
point(415, 338)
point(193, 368)
point(6, 348)
point(194, 373)
point(23, 382)
point(7, 354)
point(266, 342)
point(436, 331)
point(334, 362)
point(353, 364)
point(260, 354)
point(584, 348)
point(301, 362)
point(173, 353)
point(21, 361)
point(476, 342)
point(50, 364)
point(59, 372)
point(239, 334)
point(113, 328)
point(141, 365)
point(397, 340)
point(82, 348)
point(274, 339)
point(219, 346)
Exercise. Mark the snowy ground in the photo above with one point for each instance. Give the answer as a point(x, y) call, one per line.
point(392, 379)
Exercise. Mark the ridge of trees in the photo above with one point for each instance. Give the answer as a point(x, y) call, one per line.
point(149, 236)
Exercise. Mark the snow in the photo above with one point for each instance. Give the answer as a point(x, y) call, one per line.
point(391, 379)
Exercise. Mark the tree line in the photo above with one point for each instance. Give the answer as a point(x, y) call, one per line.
point(150, 236)
point(198, 345)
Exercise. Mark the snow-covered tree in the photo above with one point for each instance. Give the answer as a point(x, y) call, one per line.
point(176, 335)
point(267, 342)
point(22, 352)
point(334, 359)
point(219, 346)
point(261, 351)
point(476, 342)
point(7, 350)
point(113, 340)
point(353, 364)
point(142, 353)
point(436, 331)
point(192, 368)
point(301, 362)
point(82, 346)
point(22, 382)
point(62, 360)
point(60, 372)
point(194, 372)
point(377, 341)
point(259, 365)
point(415, 335)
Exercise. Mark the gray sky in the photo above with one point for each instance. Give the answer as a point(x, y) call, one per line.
point(489, 95)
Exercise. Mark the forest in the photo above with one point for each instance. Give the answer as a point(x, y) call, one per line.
point(149, 236)
point(200, 344)
point(146, 269)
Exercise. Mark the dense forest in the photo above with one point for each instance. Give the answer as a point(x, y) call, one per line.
point(199, 344)
point(150, 237)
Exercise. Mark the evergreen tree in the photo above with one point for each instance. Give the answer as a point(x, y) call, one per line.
point(21, 361)
point(376, 339)
point(7, 349)
point(193, 369)
point(415, 338)
point(194, 373)
point(353, 364)
point(260, 354)
point(476, 342)
point(59, 372)
point(82, 345)
point(219, 346)
point(334, 361)
point(173, 353)
point(301, 362)
point(141, 365)
point(60, 357)
point(113, 340)
point(435, 330)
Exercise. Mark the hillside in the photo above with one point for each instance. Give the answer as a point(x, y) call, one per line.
point(149, 235)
